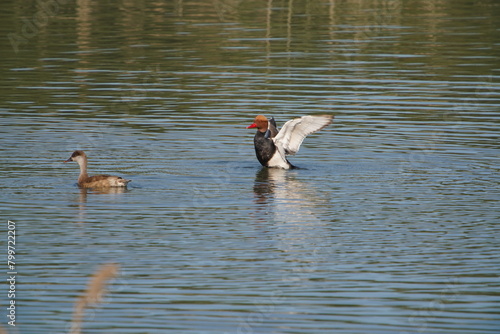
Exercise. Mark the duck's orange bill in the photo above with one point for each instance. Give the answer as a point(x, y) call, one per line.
point(253, 125)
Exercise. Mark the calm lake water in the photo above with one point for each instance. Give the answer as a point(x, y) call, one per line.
point(391, 225)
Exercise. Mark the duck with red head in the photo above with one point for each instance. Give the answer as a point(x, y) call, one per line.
point(272, 146)
point(96, 181)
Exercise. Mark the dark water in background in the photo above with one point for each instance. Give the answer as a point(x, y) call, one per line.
point(391, 226)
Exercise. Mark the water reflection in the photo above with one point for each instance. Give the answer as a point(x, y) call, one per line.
point(277, 187)
point(84, 192)
point(294, 207)
point(113, 193)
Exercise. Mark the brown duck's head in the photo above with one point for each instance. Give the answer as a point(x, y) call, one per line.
point(260, 123)
point(77, 155)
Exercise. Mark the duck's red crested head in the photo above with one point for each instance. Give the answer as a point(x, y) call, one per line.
point(260, 123)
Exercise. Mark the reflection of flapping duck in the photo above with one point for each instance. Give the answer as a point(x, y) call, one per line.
point(291, 211)
point(283, 195)
point(290, 205)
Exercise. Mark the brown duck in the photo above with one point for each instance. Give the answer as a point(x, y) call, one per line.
point(96, 181)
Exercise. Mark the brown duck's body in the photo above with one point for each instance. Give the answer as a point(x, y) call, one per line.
point(96, 181)
point(101, 181)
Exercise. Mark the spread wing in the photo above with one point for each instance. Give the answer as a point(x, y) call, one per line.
point(292, 134)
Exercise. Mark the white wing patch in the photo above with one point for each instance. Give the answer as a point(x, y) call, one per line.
point(292, 134)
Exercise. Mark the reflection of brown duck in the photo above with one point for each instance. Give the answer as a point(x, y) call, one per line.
point(272, 146)
point(97, 181)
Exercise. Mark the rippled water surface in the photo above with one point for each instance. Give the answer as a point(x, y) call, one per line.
point(390, 225)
